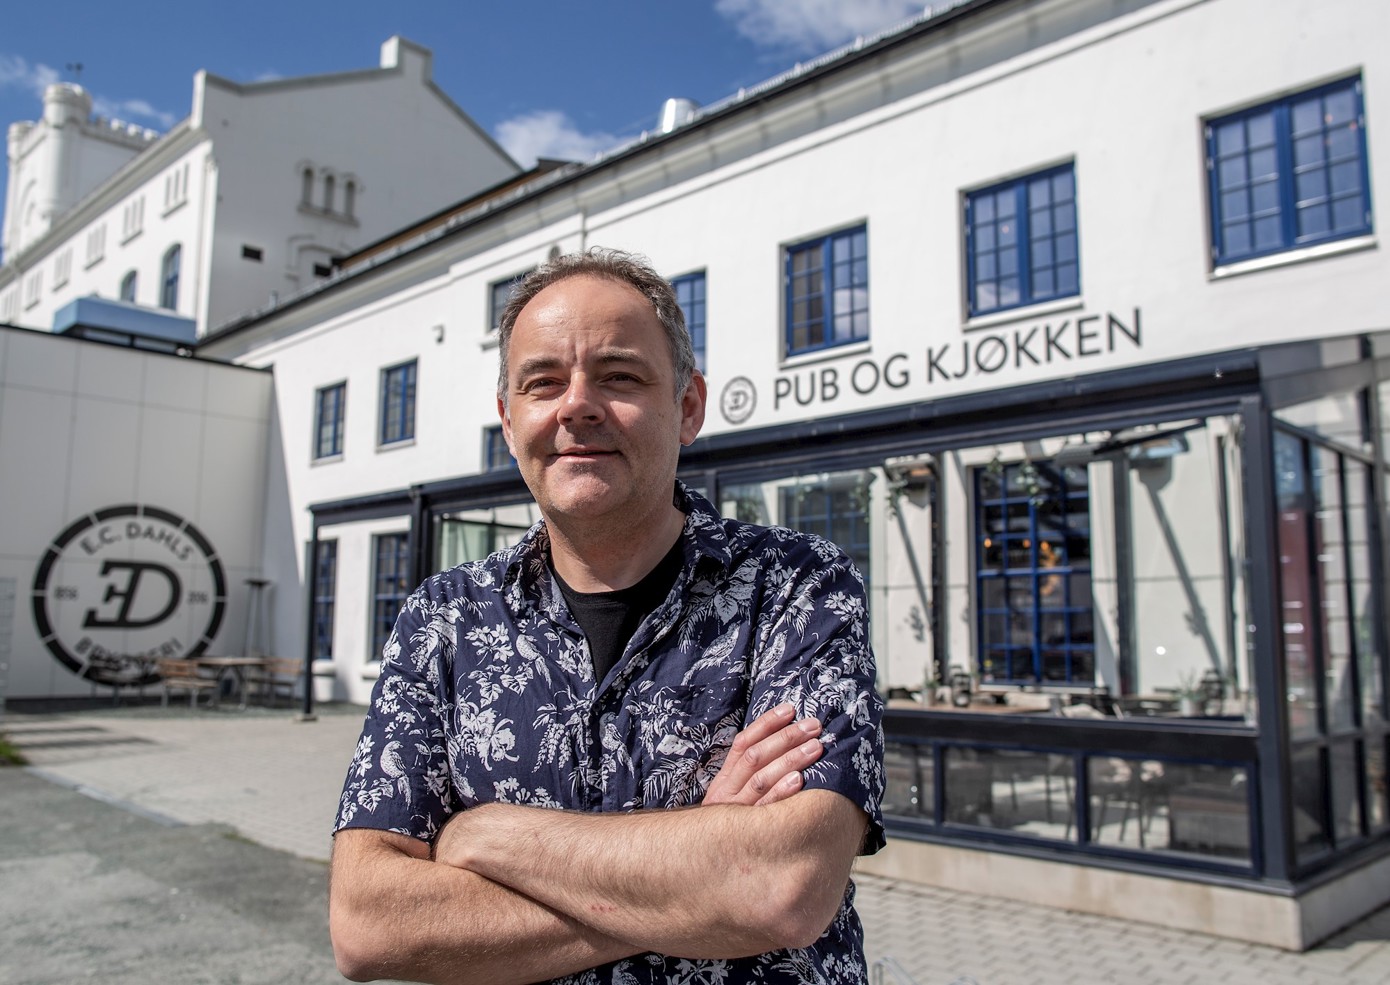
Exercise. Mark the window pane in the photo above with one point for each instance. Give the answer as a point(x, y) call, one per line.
point(1310, 832)
point(905, 793)
point(1021, 791)
point(1295, 574)
point(1378, 813)
point(1346, 792)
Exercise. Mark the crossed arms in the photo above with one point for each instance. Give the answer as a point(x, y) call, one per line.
point(522, 894)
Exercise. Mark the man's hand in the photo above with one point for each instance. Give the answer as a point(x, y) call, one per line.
point(765, 762)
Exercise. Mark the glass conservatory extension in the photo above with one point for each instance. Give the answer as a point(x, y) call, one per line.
point(1135, 620)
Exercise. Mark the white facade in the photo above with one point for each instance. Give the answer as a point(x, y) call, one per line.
point(112, 456)
point(894, 143)
point(246, 201)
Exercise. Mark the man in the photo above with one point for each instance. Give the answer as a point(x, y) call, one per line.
point(510, 813)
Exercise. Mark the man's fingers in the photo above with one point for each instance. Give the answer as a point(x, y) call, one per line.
point(782, 778)
point(763, 754)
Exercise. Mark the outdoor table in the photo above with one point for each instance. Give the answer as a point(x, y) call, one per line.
point(231, 668)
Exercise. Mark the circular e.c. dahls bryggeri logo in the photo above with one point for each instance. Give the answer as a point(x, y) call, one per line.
point(737, 400)
point(124, 586)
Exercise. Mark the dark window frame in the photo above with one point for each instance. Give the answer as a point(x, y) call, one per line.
point(390, 585)
point(815, 272)
point(325, 598)
point(396, 420)
point(497, 457)
point(330, 415)
point(690, 290)
point(499, 292)
point(169, 277)
point(1040, 251)
point(1271, 199)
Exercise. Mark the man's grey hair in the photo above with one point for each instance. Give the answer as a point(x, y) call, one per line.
point(615, 265)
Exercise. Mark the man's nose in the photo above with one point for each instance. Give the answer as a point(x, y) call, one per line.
point(582, 401)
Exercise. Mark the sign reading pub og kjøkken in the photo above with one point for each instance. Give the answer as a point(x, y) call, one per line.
point(124, 586)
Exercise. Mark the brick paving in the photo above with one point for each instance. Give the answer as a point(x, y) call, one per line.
point(276, 780)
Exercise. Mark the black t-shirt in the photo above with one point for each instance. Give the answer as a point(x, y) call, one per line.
point(610, 618)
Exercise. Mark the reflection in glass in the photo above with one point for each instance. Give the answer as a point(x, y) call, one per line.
point(908, 790)
point(1310, 834)
point(1020, 791)
point(1330, 553)
point(1378, 797)
point(1295, 593)
point(1346, 793)
point(474, 534)
point(1159, 806)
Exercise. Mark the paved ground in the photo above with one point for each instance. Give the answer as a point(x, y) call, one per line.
point(212, 829)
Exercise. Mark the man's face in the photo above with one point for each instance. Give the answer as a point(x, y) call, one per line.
point(592, 414)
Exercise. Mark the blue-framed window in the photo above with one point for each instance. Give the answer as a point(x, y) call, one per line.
point(496, 454)
point(397, 403)
point(690, 295)
point(1021, 242)
point(1289, 173)
point(827, 283)
point(330, 410)
point(390, 583)
point(129, 283)
point(169, 277)
point(1033, 574)
point(499, 294)
point(325, 597)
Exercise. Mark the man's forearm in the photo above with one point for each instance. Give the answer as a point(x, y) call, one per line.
point(714, 881)
point(396, 914)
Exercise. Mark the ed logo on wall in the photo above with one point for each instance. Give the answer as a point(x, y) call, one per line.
point(124, 586)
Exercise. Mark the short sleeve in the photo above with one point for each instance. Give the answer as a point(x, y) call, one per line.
point(815, 652)
point(399, 777)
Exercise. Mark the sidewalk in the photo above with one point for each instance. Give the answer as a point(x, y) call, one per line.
point(275, 781)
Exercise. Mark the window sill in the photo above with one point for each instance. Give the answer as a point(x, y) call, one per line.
point(171, 209)
point(1297, 255)
point(371, 671)
point(491, 341)
point(326, 460)
point(393, 445)
point(132, 236)
point(1022, 313)
point(825, 355)
point(322, 213)
point(93, 262)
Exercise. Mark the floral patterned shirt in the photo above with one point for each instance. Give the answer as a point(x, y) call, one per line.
point(487, 693)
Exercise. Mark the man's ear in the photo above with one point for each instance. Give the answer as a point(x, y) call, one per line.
point(506, 424)
point(693, 408)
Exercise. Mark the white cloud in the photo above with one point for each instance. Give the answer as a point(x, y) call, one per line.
point(812, 25)
point(15, 71)
point(133, 110)
point(550, 133)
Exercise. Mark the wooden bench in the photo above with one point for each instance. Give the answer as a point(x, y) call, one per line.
point(278, 675)
point(183, 675)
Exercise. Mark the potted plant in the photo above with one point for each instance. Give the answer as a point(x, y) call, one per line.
point(1191, 695)
point(931, 687)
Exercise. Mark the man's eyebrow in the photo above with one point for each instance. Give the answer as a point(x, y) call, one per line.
point(616, 356)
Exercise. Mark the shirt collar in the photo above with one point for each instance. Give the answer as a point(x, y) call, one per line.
point(526, 571)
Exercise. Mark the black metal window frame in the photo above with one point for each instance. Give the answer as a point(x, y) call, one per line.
point(325, 589)
point(391, 579)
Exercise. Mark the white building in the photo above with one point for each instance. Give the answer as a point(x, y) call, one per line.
point(1067, 319)
point(249, 199)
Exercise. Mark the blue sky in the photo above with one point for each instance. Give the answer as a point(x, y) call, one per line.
point(549, 78)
